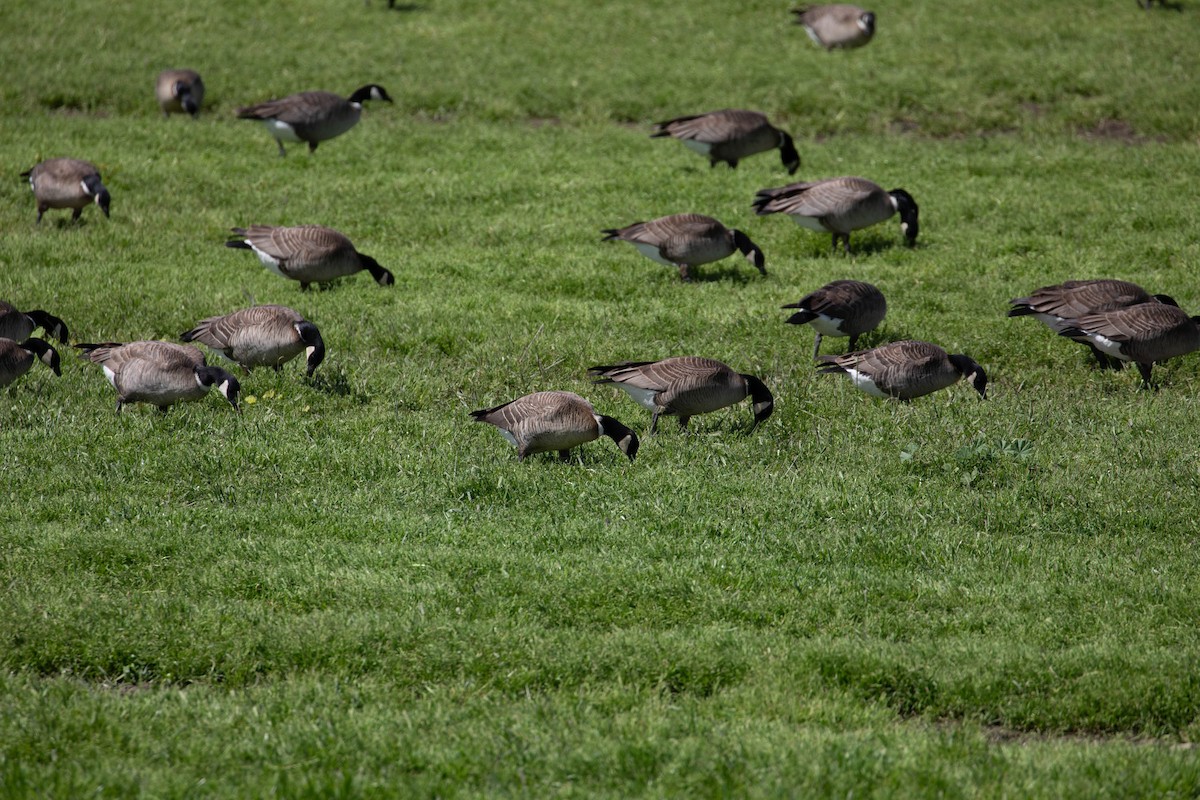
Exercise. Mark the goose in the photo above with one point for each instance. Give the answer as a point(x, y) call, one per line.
point(730, 135)
point(1143, 334)
point(687, 240)
point(16, 359)
point(1055, 306)
point(838, 25)
point(840, 308)
point(905, 370)
point(312, 117)
point(686, 386)
point(262, 336)
point(545, 421)
point(180, 91)
point(840, 206)
point(307, 253)
point(20, 325)
point(159, 373)
point(67, 183)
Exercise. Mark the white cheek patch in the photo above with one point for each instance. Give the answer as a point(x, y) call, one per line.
point(308, 351)
point(700, 147)
point(281, 130)
point(643, 397)
point(108, 373)
point(904, 227)
point(864, 383)
point(651, 252)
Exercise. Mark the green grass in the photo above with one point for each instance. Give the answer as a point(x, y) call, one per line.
point(352, 590)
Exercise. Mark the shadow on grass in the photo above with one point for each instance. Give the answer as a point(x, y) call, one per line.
point(336, 384)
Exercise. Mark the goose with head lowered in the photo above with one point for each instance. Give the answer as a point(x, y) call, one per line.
point(16, 359)
point(1058, 305)
point(837, 25)
point(729, 135)
point(555, 421)
point(179, 91)
point(261, 336)
point(841, 206)
point(687, 240)
point(159, 373)
point(20, 325)
point(905, 370)
point(312, 117)
point(1144, 334)
point(840, 308)
point(686, 386)
point(307, 253)
point(67, 183)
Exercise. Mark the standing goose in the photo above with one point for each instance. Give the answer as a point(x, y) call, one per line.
point(839, 25)
point(159, 373)
point(687, 240)
point(262, 336)
point(1057, 306)
point(179, 91)
point(16, 359)
point(545, 421)
point(67, 183)
point(905, 370)
point(840, 206)
point(840, 308)
point(312, 117)
point(1142, 334)
point(19, 326)
point(730, 135)
point(686, 386)
point(307, 253)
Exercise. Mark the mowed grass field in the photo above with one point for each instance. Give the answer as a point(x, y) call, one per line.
point(351, 589)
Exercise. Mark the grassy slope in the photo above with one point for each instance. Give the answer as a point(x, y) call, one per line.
point(350, 586)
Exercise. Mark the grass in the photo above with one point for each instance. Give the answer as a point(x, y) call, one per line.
point(351, 590)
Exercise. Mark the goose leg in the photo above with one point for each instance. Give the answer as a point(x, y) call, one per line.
point(564, 456)
point(817, 347)
point(654, 423)
point(684, 273)
point(1145, 370)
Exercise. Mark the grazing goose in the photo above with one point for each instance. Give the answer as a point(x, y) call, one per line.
point(840, 206)
point(312, 117)
point(545, 421)
point(686, 386)
point(307, 253)
point(687, 240)
point(905, 370)
point(840, 308)
point(159, 373)
point(262, 336)
point(1056, 306)
point(839, 25)
point(16, 359)
point(19, 326)
point(730, 135)
point(179, 91)
point(1142, 334)
point(67, 183)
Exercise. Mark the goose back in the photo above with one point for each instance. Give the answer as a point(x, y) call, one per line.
point(729, 135)
point(905, 369)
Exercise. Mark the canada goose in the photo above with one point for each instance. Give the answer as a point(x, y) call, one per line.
point(840, 205)
point(262, 336)
point(838, 25)
point(16, 359)
point(905, 370)
point(180, 91)
point(19, 326)
point(307, 253)
point(686, 386)
point(67, 183)
point(1056, 306)
point(159, 373)
point(840, 308)
point(1143, 334)
point(545, 421)
point(687, 240)
point(730, 135)
point(312, 117)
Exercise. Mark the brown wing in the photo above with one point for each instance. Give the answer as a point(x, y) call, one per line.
point(305, 108)
point(816, 198)
point(220, 332)
point(1075, 299)
point(714, 127)
point(302, 242)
